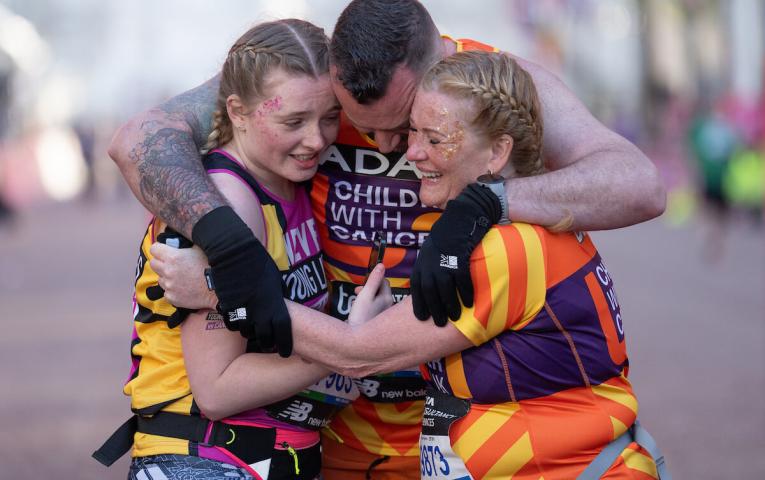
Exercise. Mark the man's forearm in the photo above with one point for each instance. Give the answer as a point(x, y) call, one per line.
point(172, 182)
point(602, 180)
point(322, 339)
point(158, 154)
point(604, 190)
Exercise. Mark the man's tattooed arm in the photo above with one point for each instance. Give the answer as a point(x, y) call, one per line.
point(158, 154)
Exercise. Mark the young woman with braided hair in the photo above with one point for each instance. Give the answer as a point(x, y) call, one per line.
point(208, 403)
point(531, 381)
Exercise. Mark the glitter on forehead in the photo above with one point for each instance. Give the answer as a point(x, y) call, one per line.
point(270, 106)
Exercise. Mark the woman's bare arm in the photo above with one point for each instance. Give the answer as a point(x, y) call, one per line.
point(226, 381)
point(392, 340)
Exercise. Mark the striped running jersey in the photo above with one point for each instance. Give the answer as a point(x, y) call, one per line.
point(358, 191)
point(546, 379)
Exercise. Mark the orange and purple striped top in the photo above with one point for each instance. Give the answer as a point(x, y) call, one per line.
point(547, 376)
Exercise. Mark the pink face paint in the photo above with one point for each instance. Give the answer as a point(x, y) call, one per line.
point(270, 106)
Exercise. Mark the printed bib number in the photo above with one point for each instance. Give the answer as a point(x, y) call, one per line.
point(437, 459)
point(342, 388)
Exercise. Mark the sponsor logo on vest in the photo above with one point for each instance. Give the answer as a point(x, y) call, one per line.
point(302, 241)
point(368, 162)
point(305, 281)
point(297, 411)
point(392, 389)
point(343, 295)
point(404, 394)
point(613, 303)
point(437, 375)
point(369, 191)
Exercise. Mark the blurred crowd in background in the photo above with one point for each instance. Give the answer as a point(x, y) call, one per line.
point(683, 79)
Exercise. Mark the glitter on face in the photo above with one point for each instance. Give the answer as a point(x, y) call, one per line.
point(270, 106)
point(453, 142)
point(454, 133)
point(445, 147)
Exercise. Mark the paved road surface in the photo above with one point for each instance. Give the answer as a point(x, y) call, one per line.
point(697, 341)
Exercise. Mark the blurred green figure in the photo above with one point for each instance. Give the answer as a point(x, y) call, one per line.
point(712, 142)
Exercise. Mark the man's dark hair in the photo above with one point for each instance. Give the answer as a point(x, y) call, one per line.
point(373, 37)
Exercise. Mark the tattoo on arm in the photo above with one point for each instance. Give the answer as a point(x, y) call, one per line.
point(196, 108)
point(173, 181)
point(214, 321)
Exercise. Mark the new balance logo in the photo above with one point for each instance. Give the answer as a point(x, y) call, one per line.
point(449, 261)
point(297, 411)
point(238, 314)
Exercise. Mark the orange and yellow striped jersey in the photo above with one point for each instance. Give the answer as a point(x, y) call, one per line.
point(356, 192)
point(547, 376)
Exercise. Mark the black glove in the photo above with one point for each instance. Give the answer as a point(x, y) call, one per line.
point(246, 280)
point(442, 268)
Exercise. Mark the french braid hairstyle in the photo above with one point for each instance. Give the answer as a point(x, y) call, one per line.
point(504, 101)
point(295, 46)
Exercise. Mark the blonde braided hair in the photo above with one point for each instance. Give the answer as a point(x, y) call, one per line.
point(504, 101)
point(296, 46)
point(503, 98)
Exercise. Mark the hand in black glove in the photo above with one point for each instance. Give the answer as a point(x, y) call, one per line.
point(246, 281)
point(442, 268)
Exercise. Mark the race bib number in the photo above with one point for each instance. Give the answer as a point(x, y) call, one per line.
point(337, 388)
point(437, 459)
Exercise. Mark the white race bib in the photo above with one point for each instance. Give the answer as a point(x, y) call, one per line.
point(437, 459)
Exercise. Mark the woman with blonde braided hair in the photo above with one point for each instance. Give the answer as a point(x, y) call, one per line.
point(209, 403)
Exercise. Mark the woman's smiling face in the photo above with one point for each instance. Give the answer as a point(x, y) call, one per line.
point(444, 147)
point(285, 132)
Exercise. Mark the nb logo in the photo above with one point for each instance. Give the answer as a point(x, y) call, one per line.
point(298, 411)
point(368, 387)
point(449, 261)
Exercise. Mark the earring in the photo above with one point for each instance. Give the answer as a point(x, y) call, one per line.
point(491, 174)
